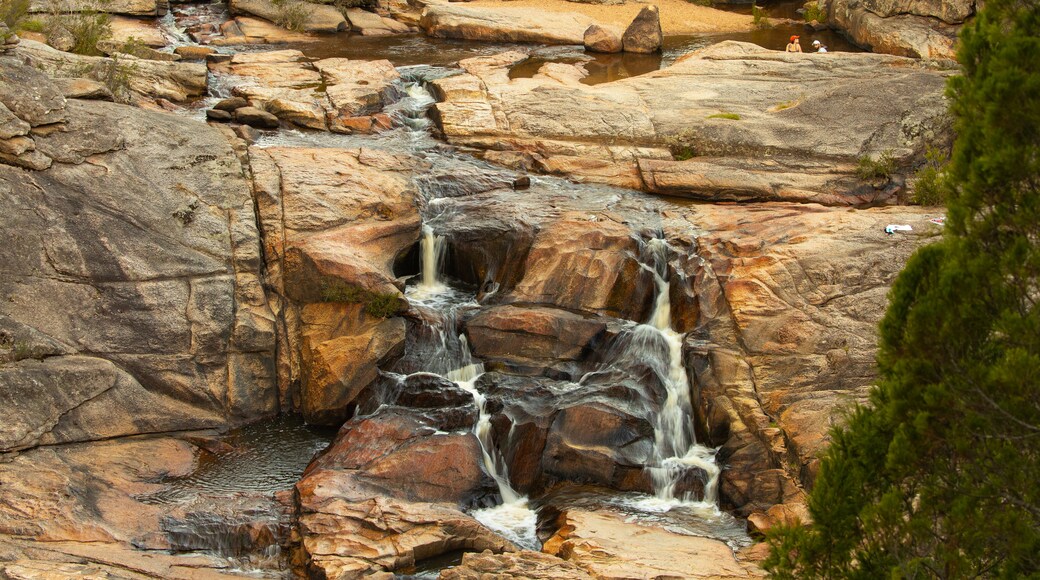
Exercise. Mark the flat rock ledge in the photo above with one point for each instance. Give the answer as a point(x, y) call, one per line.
point(731, 122)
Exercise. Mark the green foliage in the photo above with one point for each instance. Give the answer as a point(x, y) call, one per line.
point(293, 15)
point(683, 145)
point(31, 25)
point(869, 168)
point(13, 11)
point(759, 17)
point(114, 72)
point(937, 477)
point(379, 304)
point(86, 28)
point(930, 181)
point(708, 3)
point(815, 12)
point(730, 116)
point(16, 349)
point(382, 305)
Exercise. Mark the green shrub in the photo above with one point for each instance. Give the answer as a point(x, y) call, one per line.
point(382, 305)
point(341, 292)
point(293, 15)
point(379, 304)
point(814, 12)
point(730, 116)
point(930, 182)
point(31, 25)
point(87, 29)
point(12, 11)
point(869, 168)
point(759, 17)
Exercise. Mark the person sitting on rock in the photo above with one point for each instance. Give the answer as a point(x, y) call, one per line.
point(818, 46)
point(794, 45)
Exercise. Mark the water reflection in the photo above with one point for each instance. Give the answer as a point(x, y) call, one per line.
point(263, 457)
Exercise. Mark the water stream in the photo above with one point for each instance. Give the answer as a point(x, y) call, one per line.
point(675, 443)
point(513, 518)
point(465, 180)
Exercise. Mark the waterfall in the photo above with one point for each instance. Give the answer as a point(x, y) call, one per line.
point(432, 248)
point(675, 442)
point(453, 360)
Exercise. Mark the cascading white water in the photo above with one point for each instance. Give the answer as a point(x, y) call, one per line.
point(432, 249)
point(513, 518)
point(675, 444)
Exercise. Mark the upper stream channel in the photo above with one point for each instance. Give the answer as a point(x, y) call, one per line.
point(269, 457)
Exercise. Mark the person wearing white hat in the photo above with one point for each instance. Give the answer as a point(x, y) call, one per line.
point(818, 46)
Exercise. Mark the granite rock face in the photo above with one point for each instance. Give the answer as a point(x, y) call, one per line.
point(731, 122)
point(334, 222)
point(506, 24)
point(924, 29)
point(175, 81)
point(132, 295)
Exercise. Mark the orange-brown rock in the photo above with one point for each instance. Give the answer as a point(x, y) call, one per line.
point(533, 339)
point(342, 349)
point(588, 265)
point(347, 530)
point(705, 127)
point(334, 221)
point(607, 547)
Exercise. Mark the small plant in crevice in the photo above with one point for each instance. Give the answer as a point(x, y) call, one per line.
point(730, 116)
point(814, 12)
point(930, 187)
point(293, 15)
point(378, 304)
point(114, 72)
point(759, 17)
point(882, 167)
point(682, 145)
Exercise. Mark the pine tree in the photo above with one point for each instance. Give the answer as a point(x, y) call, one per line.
point(939, 476)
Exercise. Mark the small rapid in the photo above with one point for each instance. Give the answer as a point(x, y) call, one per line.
point(514, 518)
point(675, 443)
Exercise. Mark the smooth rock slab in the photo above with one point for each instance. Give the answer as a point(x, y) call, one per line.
point(146, 259)
point(800, 122)
point(608, 548)
point(507, 24)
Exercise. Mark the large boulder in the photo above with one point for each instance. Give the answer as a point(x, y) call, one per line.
point(644, 34)
point(133, 280)
point(533, 340)
point(334, 222)
point(505, 24)
point(705, 127)
point(602, 39)
point(587, 265)
point(348, 529)
point(175, 81)
point(342, 350)
point(320, 17)
point(915, 29)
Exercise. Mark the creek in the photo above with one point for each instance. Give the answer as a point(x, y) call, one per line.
point(270, 456)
